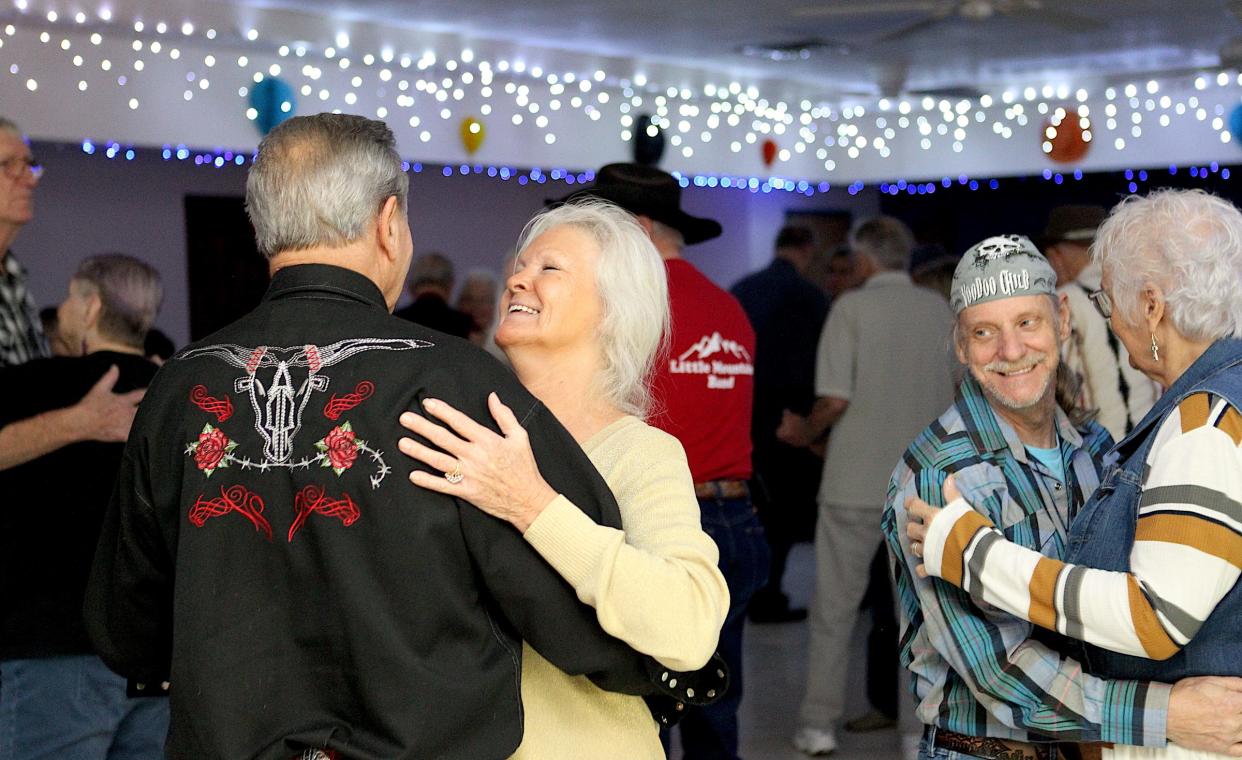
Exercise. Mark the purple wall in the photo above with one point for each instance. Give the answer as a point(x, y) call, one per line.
point(88, 204)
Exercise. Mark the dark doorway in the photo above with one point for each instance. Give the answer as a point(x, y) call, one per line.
point(960, 213)
point(830, 228)
point(227, 273)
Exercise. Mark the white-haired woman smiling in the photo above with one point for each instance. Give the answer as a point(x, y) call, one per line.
point(1154, 557)
point(582, 319)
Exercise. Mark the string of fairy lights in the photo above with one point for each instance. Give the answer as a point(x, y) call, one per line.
point(429, 92)
point(1129, 180)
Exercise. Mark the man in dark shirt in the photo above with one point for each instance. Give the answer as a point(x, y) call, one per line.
point(58, 698)
point(788, 313)
point(431, 282)
point(264, 551)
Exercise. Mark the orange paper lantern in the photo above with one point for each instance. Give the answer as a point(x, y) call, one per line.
point(1066, 136)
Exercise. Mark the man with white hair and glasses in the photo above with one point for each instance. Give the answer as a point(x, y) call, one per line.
point(100, 415)
point(21, 334)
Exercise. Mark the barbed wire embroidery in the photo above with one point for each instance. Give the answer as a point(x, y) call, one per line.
point(246, 464)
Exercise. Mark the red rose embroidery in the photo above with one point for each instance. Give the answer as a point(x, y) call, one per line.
point(339, 448)
point(212, 450)
point(342, 448)
point(212, 446)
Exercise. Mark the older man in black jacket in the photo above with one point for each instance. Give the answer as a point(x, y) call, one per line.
point(264, 551)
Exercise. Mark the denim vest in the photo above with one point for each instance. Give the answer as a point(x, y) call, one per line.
point(1102, 534)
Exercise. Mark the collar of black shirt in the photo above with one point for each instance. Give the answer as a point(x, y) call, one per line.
point(304, 279)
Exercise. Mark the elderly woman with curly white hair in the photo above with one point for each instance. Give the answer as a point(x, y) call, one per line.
point(1150, 580)
point(582, 319)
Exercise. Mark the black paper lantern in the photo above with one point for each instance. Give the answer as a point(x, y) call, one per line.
point(648, 141)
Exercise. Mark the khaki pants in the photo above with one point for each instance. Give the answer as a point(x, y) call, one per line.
point(846, 539)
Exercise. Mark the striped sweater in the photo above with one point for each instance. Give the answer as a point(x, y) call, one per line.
point(1186, 556)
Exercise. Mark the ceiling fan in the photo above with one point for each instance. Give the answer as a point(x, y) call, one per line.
point(937, 12)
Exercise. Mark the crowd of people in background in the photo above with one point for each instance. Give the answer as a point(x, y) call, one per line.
point(1022, 461)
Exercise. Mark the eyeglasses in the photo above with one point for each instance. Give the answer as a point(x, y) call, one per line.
point(16, 167)
point(1102, 303)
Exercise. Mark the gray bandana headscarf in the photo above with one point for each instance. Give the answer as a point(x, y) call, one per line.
point(1004, 266)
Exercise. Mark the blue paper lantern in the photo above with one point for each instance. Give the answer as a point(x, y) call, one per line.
point(273, 101)
point(1235, 123)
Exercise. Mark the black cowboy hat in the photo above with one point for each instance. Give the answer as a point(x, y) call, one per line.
point(650, 192)
point(1075, 224)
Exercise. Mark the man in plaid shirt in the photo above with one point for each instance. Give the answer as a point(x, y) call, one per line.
point(21, 335)
point(986, 684)
point(101, 415)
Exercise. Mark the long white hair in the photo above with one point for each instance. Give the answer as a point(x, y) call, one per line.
point(633, 289)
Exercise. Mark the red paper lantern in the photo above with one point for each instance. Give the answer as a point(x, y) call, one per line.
point(769, 148)
point(1066, 136)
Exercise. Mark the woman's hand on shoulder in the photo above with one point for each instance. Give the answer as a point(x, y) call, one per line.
point(495, 472)
point(919, 518)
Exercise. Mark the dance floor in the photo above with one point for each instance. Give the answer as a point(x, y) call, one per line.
point(775, 666)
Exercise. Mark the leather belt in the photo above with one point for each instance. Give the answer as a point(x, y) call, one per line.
point(989, 748)
point(722, 489)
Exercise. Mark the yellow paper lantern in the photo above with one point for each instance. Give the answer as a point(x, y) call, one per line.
point(472, 134)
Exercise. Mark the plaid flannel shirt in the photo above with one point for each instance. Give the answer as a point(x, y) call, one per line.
point(977, 670)
point(21, 333)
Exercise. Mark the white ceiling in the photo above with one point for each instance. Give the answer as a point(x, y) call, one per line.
point(1023, 40)
point(92, 69)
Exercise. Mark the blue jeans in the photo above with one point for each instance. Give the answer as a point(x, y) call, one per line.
point(711, 732)
point(74, 708)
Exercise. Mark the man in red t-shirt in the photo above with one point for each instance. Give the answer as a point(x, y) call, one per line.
point(703, 390)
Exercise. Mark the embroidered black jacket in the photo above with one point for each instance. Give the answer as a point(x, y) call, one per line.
point(266, 553)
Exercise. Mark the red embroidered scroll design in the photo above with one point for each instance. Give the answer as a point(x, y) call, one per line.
point(232, 499)
point(338, 405)
point(256, 356)
point(312, 499)
point(221, 408)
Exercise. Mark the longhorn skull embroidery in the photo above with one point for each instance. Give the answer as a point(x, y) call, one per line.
point(279, 398)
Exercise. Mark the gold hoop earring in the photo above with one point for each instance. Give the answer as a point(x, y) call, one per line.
point(1155, 348)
